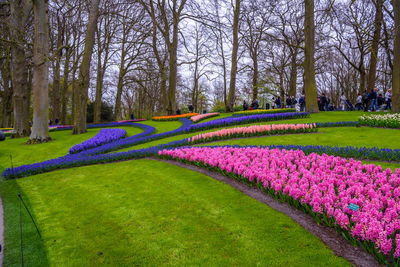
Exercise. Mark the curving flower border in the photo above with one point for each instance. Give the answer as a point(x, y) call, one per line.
point(326, 187)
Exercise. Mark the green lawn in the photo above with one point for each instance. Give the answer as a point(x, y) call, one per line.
point(62, 142)
point(144, 212)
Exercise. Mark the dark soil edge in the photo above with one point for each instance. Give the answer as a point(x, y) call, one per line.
point(342, 248)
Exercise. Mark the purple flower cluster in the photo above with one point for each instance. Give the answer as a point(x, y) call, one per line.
point(103, 137)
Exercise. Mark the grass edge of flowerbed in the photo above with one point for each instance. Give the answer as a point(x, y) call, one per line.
point(369, 247)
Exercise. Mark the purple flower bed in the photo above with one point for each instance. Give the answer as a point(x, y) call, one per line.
point(103, 137)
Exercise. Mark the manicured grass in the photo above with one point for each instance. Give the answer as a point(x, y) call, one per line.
point(145, 212)
point(62, 141)
point(151, 213)
point(163, 126)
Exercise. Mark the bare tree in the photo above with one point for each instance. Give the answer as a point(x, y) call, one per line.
point(84, 71)
point(235, 47)
point(20, 11)
point(309, 61)
point(40, 130)
point(396, 60)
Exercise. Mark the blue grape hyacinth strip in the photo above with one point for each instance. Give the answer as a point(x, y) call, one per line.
point(104, 136)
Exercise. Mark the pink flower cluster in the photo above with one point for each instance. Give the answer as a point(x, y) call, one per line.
point(203, 116)
point(324, 185)
point(254, 130)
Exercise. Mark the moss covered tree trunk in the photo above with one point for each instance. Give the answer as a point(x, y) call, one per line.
point(40, 130)
point(375, 45)
point(396, 59)
point(235, 47)
point(310, 87)
point(19, 67)
point(81, 94)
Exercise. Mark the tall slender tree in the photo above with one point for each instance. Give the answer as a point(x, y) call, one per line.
point(396, 59)
point(234, 62)
point(84, 71)
point(309, 61)
point(375, 44)
point(40, 130)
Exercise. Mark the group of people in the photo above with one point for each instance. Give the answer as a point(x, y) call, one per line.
point(369, 101)
point(291, 102)
point(254, 105)
point(190, 108)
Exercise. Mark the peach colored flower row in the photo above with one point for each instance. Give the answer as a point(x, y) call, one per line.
point(254, 130)
point(203, 116)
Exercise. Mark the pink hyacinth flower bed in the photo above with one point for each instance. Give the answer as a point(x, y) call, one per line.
point(201, 117)
point(254, 130)
point(320, 185)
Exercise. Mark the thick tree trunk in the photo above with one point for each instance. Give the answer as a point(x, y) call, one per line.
point(235, 47)
point(40, 129)
point(396, 58)
point(64, 92)
point(309, 64)
point(84, 71)
point(375, 45)
point(19, 68)
point(7, 108)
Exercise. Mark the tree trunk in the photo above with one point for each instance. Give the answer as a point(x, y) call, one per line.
point(293, 75)
point(375, 45)
point(84, 71)
point(173, 69)
point(40, 129)
point(19, 69)
point(99, 84)
point(120, 85)
point(235, 47)
point(396, 58)
point(56, 74)
point(309, 67)
point(7, 107)
point(163, 88)
point(64, 92)
point(255, 76)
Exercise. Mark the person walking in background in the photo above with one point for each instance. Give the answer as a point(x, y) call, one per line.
point(132, 116)
point(302, 102)
point(190, 107)
point(328, 102)
point(343, 101)
point(388, 99)
point(372, 96)
point(178, 111)
point(245, 105)
point(289, 102)
point(359, 102)
point(380, 100)
point(293, 101)
point(278, 102)
point(273, 103)
point(365, 100)
point(323, 102)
